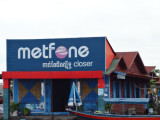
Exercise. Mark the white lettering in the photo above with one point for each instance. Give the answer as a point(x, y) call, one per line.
point(25, 51)
point(75, 52)
point(44, 51)
point(47, 52)
point(83, 51)
point(36, 52)
point(82, 64)
point(51, 47)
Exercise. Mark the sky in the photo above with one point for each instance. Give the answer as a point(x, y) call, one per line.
point(129, 25)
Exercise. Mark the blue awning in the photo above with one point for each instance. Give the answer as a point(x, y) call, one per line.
point(127, 100)
point(117, 72)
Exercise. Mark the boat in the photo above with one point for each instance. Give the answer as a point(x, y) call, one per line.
point(94, 116)
point(74, 100)
point(99, 116)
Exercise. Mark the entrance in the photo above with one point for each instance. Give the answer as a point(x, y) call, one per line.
point(60, 94)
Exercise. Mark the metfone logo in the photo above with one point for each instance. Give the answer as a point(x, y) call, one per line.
point(60, 52)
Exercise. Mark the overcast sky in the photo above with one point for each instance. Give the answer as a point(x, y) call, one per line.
point(129, 25)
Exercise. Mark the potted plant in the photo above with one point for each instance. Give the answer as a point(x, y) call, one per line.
point(14, 107)
point(25, 111)
point(108, 107)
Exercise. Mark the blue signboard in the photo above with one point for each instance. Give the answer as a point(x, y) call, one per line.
point(66, 54)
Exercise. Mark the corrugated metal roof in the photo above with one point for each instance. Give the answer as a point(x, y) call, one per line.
point(112, 66)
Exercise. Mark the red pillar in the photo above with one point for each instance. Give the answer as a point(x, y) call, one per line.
point(101, 83)
point(6, 84)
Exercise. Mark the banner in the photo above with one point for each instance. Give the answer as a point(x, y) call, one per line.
point(67, 54)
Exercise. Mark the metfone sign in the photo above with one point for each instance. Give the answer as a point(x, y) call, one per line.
point(67, 54)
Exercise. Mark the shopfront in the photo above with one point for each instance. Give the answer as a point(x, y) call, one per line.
point(43, 71)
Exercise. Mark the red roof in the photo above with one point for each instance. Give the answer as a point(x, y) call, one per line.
point(150, 68)
point(132, 64)
point(128, 57)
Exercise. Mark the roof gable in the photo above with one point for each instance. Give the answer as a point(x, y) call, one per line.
point(121, 65)
point(137, 66)
point(128, 57)
point(130, 63)
point(150, 68)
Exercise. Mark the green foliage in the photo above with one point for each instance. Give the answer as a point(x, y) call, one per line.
point(25, 111)
point(80, 108)
point(152, 81)
point(14, 106)
point(98, 112)
point(108, 106)
point(157, 71)
point(151, 105)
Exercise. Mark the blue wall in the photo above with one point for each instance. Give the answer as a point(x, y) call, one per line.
point(91, 98)
point(28, 99)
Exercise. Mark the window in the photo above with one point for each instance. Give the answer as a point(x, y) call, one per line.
point(127, 89)
point(145, 91)
point(117, 89)
point(137, 90)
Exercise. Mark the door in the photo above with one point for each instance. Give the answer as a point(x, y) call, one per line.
point(60, 94)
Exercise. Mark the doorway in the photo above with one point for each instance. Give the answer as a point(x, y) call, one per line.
point(60, 94)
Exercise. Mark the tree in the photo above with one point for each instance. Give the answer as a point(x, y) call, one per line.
point(157, 72)
point(155, 90)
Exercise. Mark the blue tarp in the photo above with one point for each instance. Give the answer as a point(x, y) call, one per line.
point(127, 100)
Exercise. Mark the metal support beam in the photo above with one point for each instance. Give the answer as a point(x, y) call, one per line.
point(6, 99)
point(101, 86)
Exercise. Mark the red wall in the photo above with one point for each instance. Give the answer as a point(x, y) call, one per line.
point(109, 54)
point(117, 108)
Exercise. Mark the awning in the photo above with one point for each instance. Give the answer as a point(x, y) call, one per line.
point(120, 75)
point(127, 100)
point(117, 72)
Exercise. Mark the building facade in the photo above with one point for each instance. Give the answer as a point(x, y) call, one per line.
point(43, 71)
point(129, 78)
